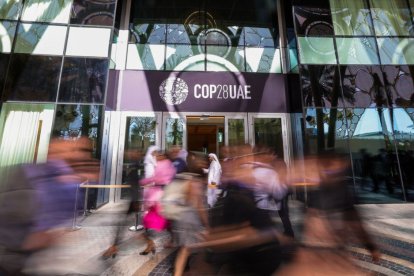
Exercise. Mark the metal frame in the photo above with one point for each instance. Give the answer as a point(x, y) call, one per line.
point(117, 173)
point(160, 134)
point(183, 116)
point(286, 131)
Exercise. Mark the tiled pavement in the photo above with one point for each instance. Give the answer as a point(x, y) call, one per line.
point(78, 252)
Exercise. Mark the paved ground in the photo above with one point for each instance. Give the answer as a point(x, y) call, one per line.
point(79, 251)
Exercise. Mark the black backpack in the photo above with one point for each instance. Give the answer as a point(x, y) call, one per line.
point(235, 205)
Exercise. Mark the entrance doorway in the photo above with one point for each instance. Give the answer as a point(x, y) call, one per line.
point(205, 134)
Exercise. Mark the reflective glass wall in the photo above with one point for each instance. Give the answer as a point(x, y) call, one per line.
point(356, 68)
point(204, 36)
point(55, 53)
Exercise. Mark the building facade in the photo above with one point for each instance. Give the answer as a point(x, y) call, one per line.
point(296, 76)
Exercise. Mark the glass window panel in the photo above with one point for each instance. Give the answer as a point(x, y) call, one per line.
point(139, 135)
point(363, 86)
point(83, 80)
point(92, 12)
point(351, 17)
point(400, 85)
point(293, 60)
point(145, 33)
point(177, 34)
point(321, 86)
point(133, 59)
point(391, 18)
point(47, 10)
point(7, 31)
point(361, 50)
point(316, 50)
point(73, 122)
point(264, 60)
point(4, 63)
point(183, 58)
point(33, 78)
point(24, 134)
point(291, 38)
point(174, 132)
point(268, 134)
point(396, 50)
point(403, 122)
point(225, 58)
point(40, 39)
point(112, 63)
point(313, 21)
point(92, 42)
point(258, 37)
point(76, 121)
point(236, 132)
point(325, 128)
point(10, 9)
point(214, 37)
point(373, 152)
point(145, 57)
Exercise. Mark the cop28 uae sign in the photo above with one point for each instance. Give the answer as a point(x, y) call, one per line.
point(203, 92)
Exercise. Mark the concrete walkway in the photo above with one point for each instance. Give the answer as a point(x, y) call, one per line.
point(78, 252)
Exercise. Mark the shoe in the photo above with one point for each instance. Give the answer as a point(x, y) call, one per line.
point(110, 253)
point(150, 248)
point(147, 251)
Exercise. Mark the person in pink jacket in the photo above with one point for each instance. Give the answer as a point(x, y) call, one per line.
point(153, 221)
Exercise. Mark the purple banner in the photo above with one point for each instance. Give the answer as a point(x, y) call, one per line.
point(203, 92)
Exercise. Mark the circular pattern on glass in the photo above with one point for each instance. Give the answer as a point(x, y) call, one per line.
point(217, 41)
point(173, 91)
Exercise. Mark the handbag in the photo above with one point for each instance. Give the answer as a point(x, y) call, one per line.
point(173, 201)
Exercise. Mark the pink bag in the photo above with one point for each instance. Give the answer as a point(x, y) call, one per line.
point(153, 220)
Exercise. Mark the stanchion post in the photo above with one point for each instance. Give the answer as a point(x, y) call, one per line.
point(75, 211)
point(85, 203)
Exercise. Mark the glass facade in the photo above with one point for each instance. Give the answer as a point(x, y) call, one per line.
point(217, 37)
point(54, 61)
point(357, 90)
point(354, 60)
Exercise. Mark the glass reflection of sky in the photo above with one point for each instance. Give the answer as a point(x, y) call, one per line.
point(370, 122)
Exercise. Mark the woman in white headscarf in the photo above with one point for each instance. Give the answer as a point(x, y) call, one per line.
point(213, 179)
point(150, 161)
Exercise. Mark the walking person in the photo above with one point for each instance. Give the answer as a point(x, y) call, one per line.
point(283, 212)
point(153, 221)
point(269, 189)
point(150, 163)
point(213, 179)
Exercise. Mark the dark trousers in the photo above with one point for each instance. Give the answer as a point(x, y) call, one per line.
point(284, 216)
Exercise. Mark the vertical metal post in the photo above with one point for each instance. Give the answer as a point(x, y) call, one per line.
point(85, 203)
point(74, 226)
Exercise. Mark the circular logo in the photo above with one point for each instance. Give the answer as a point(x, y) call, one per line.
point(173, 91)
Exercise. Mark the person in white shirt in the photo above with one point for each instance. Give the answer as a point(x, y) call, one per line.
point(150, 161)
point(213, 179)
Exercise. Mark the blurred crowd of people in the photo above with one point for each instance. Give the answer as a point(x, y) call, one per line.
point(38, 201)
point(381, 170)
point(222, 214)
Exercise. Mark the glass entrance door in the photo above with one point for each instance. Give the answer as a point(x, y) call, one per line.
point(270, 131)
point(235, 129)
point(173, 131)
point(138, 132)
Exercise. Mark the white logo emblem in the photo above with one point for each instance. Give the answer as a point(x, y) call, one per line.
point(173, 91)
